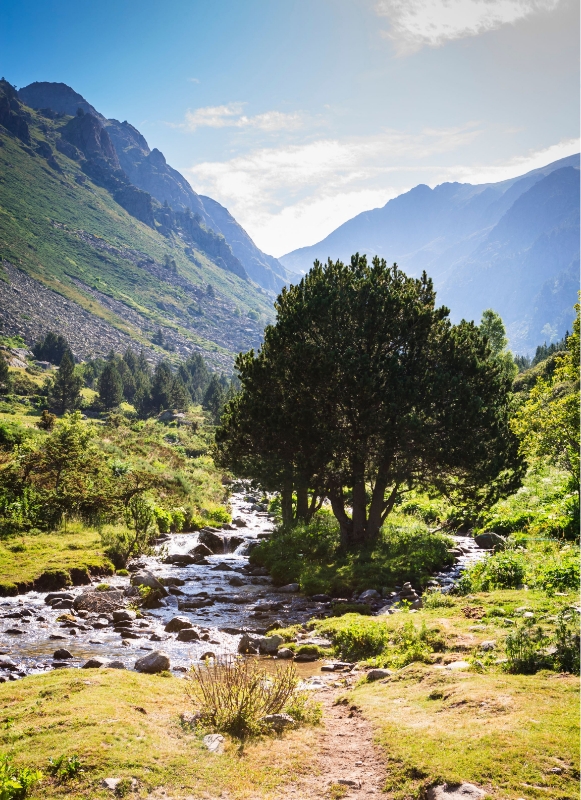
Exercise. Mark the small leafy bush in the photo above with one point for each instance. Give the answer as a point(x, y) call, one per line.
point(524, 649)
point(64, 768)
point(505, 570)
point(437, 599)
point(566, 643)
point(350, 608)
point(163, 519)
point(233, 694)
point(16, 784)
point(303, 709)
point(559, 576)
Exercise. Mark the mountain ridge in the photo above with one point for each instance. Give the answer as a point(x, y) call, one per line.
point(451, 230)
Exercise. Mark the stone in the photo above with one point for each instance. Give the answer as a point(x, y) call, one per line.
point(350, 782)
point(16, 631)
point(62, 654)
point(528, 615)
point(285, 653)
point(157, 661)
point(124, 615)
point(116, 665)
point(268, 645)
point(181, 559)
point(188, 635)
point(248, 645)
point(320, 598)
point(96, 663)
point(369, 596)
point(178, 624)
point(145, 578)
point(223, 567)
point(172, 581)
point(201, 550)
point(99, 602)
point(239, 522)
point(464, 791)
point(213, 541)
point(488, 645)
point(189, 718)
point(490, 541)
point(278, 722)
point(458, 665)
point(236, 580)
point(7, 663)
point(51, 596)
point(214, 742)
point(378, 674)
point(417, 604)
point(290, 588)
point(113, 784)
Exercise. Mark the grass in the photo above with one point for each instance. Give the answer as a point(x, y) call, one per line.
point(501, 732)
point(24, 558)
point(127, 725)
point(311, 556)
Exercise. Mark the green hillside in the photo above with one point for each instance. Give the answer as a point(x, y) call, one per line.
point(69, 234)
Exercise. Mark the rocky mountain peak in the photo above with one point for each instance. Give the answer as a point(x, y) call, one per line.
point(89, 136)
point(57, 96)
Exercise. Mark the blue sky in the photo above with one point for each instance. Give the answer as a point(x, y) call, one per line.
point(299, 114)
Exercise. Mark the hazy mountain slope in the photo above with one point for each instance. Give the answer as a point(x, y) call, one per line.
point(63, 234)
point(148, 170)
point(490, 245)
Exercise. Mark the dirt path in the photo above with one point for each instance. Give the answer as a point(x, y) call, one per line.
point(348, 760)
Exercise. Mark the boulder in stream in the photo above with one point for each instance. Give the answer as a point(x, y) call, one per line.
point(145, 578)
point(178, 624)
point(158, 661)
point(212, 540)
point(99, 602)
point(490, 541)
point(201, 550)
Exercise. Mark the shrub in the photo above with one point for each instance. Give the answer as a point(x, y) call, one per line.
point(15, 784)
point(437, 599)
point(64, 767)
point(566, 643)
point(505, 570)
point(163, 519)
point(350, 608)
point(219, 515)
point(524, 648)
point(303, 709)
point(232, 694)
point(558, 576)
point(47, 421)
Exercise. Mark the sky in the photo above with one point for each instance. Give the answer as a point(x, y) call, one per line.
point(299, 114)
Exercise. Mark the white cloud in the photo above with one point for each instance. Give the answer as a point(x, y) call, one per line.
point(291, 196)
point(194, 80)
point(418, 23)
point(231, 116)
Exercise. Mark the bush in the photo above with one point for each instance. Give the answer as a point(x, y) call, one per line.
point(524, 649)
point(437, 599)
point(311, 556)
point(15, 784)
point(163, 519)
point(232, 695)
point(64, 767)
point(559, 576)
point(566, 643)
point(505, 570)
point(350, 608)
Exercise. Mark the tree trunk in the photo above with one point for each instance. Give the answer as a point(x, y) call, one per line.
point(286, 500)
point(302, 514)
point(377, 507)
point(359, 515)
point(345, 523)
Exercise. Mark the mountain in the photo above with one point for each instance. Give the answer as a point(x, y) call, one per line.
point(148, 170)
point(87, 253)
point(512, 246)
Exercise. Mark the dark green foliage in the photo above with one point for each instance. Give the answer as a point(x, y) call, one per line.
point(214, 398)
point(5, 380)
point(110, 387)
point(65, 391)
point(52, 348)
point(11, 434)
point(196, 376)
point(364, 382)
point(23, 386)
point(311, 555)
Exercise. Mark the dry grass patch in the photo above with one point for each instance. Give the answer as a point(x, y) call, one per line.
point(98, 715)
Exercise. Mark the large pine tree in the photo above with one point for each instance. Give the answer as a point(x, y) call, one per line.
point(65, 391)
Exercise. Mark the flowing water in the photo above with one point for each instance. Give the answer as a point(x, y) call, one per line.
point(30, 631)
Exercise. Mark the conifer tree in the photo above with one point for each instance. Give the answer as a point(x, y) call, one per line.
point(5, 381)
point(65, 391)
point(214, 398)
point(110, 387)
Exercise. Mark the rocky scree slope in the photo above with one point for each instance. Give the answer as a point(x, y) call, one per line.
point(148, 170)
point(72, 226)
point(512, 246)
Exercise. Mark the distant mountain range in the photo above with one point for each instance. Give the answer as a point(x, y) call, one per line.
point(512, 246)
point(148, 170)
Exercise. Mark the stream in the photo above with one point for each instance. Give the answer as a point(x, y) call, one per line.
point(223, 598)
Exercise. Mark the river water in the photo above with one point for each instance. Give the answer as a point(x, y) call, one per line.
point(30, 631)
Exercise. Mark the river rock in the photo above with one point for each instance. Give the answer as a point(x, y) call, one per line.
point(268, 645)
point(248, 645)
point(53, 596)
point(214, 742)
point(464, 791)
point(178, 624)
point(201, 550)
point(116, 665)
point(124, 615)
point(188, 635)
point(290, 588)
point(236, 580)
point(239, 522)
point(285, 653)
point(158, 661)
point(62, 654)
point(99, 602)
point(181, 559)
point(490, 541)
point(369, 596)
point(7, 663)
point(378, 674)
point(212, 540)
point(96, 663)
point(145, 578)
point(488, 645)
point(232, 542)
point(278, 722)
